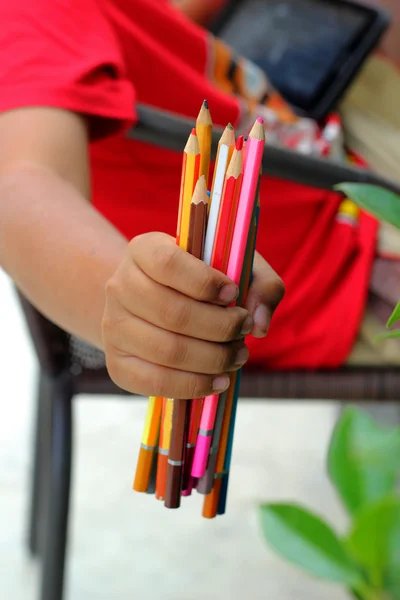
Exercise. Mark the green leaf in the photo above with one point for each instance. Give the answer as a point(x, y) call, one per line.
point(305, 540)
point(395, 333)
point(380, 202)
point(395, 316)
point(375, 542)
point(363, 459)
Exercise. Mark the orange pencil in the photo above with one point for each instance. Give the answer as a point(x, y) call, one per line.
point(148, 445)
point(204, 133)
point(189, 178)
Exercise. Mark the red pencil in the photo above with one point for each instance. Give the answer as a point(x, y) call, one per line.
point(228, 209)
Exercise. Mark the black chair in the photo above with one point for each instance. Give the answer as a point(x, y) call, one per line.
point(69, 367)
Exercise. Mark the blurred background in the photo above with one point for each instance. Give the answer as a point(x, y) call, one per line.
point(125, 545)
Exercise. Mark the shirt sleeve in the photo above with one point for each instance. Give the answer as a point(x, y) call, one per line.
point(64, 54)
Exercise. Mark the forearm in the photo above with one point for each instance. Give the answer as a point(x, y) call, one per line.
point(57, 248)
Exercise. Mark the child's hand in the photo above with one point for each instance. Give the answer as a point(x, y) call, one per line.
point(266, 292)
point(166, 330)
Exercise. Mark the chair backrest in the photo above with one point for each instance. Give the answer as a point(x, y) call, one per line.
point(51, 342)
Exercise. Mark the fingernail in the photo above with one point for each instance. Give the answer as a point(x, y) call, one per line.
point(242, 357)
point(220, 384)
point(262, 317)
point(247, 325)
point(229, 293)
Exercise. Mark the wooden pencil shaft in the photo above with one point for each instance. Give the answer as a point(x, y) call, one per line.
point(210, 505)
point(179, 418)
point(165, 436)
point(225, 147)
point(181, 408)
point(195, 416)
point(151, 488)
point(206, 482)
point(204, 134)
point(175, 457)
point(197, 228)
point(143, 470)
point(190, 178)
point(226, 223)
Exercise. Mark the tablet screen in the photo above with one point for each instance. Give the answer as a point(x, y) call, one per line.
point(300, 44)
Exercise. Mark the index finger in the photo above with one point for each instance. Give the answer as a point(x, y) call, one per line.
point(163, 261)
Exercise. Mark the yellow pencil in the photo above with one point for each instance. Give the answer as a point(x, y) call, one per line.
point(148, 445)
point(204, 133)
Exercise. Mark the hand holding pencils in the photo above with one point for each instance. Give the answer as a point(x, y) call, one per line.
point(194, 437)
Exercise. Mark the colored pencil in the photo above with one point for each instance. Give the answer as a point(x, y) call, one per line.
point(225, 150)
point(204, 438)
point(244, 286)
point(181, 408)
point(220, 258)
point(163, 449)
point(148, 444)
point(254, 152)
point(151, 488)
point(205, 484)
point(228, 455)
point(211, 500)
point(190, 176)
point(188, 443)
point(194, 424)
point(228, 210)
point(204, 134)
point(198, 219)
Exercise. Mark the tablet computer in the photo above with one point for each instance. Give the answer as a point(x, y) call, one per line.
point(311, 50)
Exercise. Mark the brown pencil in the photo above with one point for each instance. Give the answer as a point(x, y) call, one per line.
point(198, 219)
point(181, 408)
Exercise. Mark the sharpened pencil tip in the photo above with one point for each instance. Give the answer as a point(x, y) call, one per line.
point(229, 126)
point(239, 143)
point(193, 132)
point(260, 120)
point(205, 104)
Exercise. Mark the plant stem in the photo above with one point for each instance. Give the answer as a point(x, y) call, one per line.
point(366, 593)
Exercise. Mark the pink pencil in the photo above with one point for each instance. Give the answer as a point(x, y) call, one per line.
point(204, 438)
point(254, 153)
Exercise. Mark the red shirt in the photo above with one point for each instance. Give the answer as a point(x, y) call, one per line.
point(100, 58)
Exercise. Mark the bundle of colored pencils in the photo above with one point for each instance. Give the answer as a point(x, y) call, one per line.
point(187, 444)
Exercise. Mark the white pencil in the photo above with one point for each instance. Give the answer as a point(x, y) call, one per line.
point(225, 150)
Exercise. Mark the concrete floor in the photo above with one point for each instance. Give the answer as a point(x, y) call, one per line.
point(124, 545)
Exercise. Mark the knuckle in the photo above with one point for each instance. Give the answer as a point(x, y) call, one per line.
point(114, 371)
point(225, 359)
point(229, 328)
point(112, 287)
point(107, 325)
point(173, 353)
point(196, 387)
point(161, 386)
point(165, 258)
point(177, 315)
point(206, 280)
